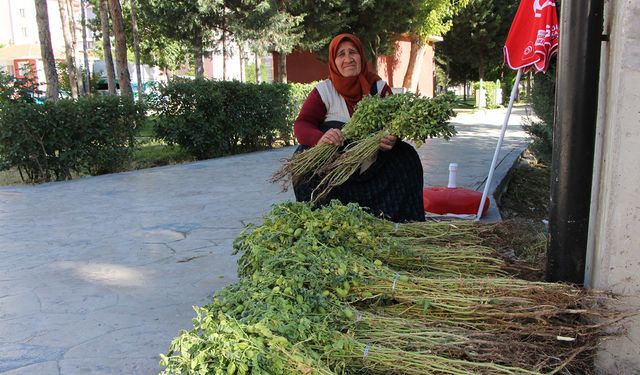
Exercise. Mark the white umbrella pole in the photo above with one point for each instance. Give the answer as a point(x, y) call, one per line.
point(514, 90)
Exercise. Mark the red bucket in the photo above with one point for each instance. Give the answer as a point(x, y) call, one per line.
point(442, 200)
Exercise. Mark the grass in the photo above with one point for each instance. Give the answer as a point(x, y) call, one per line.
point(149, 153)
point(524, 205)
point(155, 153)
point(146, 129)
point(10, 177)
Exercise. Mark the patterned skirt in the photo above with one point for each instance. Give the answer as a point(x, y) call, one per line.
point(391, 187)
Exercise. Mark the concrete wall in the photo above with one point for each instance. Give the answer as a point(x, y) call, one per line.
point(614, 254)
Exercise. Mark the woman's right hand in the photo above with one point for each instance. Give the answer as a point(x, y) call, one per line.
point(332, 137)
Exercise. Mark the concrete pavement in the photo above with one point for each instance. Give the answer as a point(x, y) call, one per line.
point(97, 275)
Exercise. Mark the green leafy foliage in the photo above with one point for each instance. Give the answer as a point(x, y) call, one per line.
point(318, 295)
point(472, 48)
point(93, 135)
point(543, 95)
point(408, 116)
point(213, 118)
point(13, 90)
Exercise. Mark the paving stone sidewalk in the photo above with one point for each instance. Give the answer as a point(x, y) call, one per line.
point(97, 275)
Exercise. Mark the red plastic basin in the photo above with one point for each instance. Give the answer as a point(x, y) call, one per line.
point(443, 200)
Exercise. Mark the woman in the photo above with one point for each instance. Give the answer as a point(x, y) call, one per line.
point(392, 184)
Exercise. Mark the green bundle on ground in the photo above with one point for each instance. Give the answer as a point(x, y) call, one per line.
point(317, 296)
point(407, 116)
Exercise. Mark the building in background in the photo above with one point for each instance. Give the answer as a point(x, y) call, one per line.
point(306, 67)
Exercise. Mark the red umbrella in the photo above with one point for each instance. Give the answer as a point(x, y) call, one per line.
point(532, 40)
point(533, 37)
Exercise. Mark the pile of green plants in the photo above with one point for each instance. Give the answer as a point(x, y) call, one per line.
point(50, 141)
point(408, 116)
point(335, 290)
point(213, 118)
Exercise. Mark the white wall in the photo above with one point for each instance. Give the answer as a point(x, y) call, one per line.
point(614, 262)
point(18, 23)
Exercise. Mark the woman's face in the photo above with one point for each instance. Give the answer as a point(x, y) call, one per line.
point(348, 60)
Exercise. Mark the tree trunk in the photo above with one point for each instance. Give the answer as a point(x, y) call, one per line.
point(42, 18)
point(74, 44)
point(374, 56)
point(414, 69)
point(282, 68)
point(408, 75)
point(224, 56)
point(85, 47)
point(197, 55)
point(106, 46)
point(258, 72)
point(68, 49)
point(136, 46)
point(121, 48)
point(464, 91)
point(241, 55)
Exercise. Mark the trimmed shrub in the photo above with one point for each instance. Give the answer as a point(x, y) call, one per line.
point(543, 95)
point(214, 118)
point(14, 89)
point(93, 135)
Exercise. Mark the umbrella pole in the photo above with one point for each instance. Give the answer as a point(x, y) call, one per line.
point(514, 90)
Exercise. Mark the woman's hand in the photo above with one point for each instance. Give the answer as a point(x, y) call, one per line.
point(387, 142)
point(332, 137)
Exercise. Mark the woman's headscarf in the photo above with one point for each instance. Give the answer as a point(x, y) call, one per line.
point(354, 88)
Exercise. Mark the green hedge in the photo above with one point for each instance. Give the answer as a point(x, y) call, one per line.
point(93, 135)
point(543, 95)
point(214, 118)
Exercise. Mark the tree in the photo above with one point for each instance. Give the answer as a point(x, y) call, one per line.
point(106, 46)
point(136, 46)
point(269, 25)
point(473, 45)
point(379, 24)
point(121, 48)
point(185, 21)
point(69, 47)
point(154, 47)
point(85, 47)
point(42, 18)
point(433, 19)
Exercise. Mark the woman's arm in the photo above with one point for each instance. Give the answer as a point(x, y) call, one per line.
point(312, 114)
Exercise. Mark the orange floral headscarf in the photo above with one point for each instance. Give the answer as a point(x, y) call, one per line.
point(352, 89)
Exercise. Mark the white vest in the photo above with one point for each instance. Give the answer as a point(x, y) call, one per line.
point(334, 102)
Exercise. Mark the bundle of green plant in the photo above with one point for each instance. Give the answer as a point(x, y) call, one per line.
point(444, 261)
point(219, 344)
point(407, 116)
point(362, 357)
point(545, 354)
point(352, 228)
point(538, 309)
point(442, 233)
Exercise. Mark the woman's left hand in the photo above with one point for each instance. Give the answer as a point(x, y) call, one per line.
point(387, 142)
